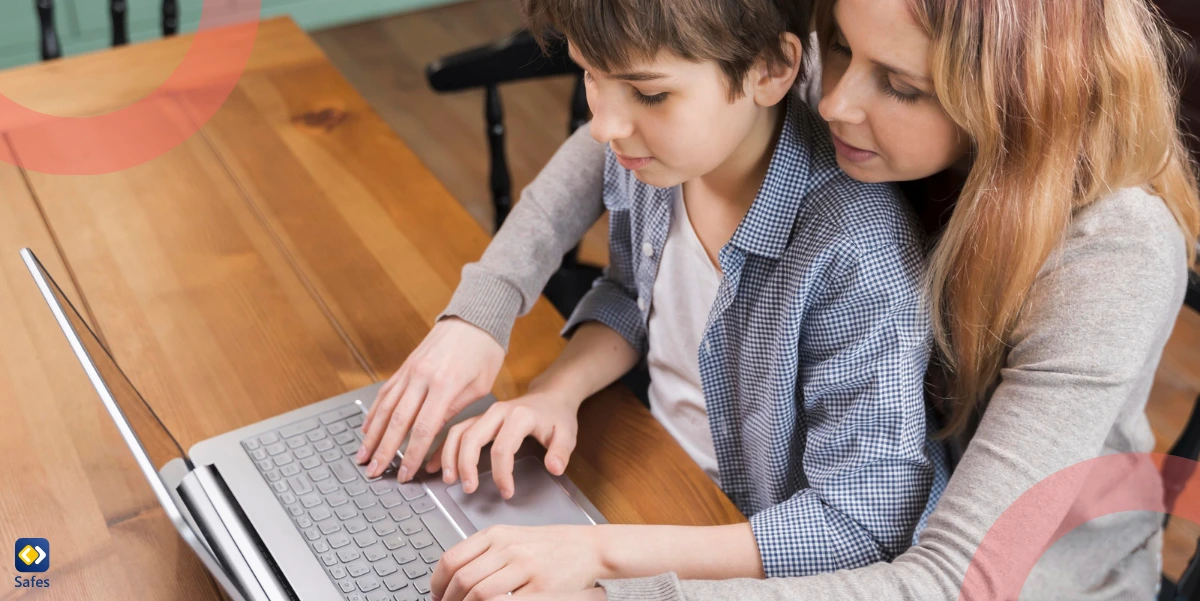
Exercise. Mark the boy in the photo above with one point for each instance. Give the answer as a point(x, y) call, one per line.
point(776, 300)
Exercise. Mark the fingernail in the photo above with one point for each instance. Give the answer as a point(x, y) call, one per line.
point(446, 477)
point(556, 465)
point(371, 467)
point(361, 456)
point(429, 468)
point(468, 486)
point(403, 474)
point(506, 493)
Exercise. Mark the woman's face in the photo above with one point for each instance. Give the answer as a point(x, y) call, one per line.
point(878, 96)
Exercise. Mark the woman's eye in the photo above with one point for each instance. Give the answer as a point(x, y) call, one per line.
point(838, 47)
point(900, 92)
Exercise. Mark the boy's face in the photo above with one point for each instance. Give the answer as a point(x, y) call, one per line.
point(668, 120)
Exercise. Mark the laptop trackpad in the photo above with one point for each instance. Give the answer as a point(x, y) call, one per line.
point(539, 500)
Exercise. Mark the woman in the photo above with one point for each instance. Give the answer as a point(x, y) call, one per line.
point(1054, 285)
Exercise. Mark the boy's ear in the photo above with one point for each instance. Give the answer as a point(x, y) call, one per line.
point(769, 84)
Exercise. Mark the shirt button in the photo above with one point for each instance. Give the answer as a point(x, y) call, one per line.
point(647, 249)
point(641, 304)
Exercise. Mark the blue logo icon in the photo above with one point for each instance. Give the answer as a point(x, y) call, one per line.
point(32, 554)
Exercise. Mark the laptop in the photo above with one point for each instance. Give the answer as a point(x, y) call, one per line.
point(279, 511)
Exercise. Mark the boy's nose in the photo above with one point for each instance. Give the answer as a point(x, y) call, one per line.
point(608, 125)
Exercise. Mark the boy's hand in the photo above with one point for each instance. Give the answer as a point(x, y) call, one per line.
point(521, 560)
point(455, 365)
point(547, 415)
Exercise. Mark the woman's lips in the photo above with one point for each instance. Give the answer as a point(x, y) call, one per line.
point(852, 153)
point(632, 164)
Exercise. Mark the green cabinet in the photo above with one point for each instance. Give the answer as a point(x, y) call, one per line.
point(84, 25)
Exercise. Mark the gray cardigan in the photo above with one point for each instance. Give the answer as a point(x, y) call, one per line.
point(1074, 386)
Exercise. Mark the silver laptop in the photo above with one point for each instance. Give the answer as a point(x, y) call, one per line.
point(278, 510)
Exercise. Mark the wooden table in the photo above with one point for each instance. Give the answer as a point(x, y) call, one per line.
point(293, 249)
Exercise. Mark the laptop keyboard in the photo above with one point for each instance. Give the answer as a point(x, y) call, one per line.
point(373, 535)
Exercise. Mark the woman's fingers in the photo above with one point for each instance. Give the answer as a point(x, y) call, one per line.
point(559, 447)
point(462, 566)
point(449, 456)
point(507, 579)
point(473, 441)
point(396, 428)
point(380, 415)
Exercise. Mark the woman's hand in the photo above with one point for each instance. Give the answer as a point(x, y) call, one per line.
point(546, 414)
point(503, 559)
point(455, 365)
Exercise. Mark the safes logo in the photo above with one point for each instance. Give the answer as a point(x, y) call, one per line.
point(33, 554)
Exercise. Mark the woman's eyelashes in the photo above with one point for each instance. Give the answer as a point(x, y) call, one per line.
point(885, 83)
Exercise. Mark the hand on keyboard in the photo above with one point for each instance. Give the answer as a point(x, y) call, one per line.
point(455, 365)
point(546, 415)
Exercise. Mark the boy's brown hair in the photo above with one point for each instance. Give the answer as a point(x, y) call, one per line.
point(615, 34)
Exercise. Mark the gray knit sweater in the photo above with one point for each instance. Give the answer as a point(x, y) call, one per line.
point(1074, 386)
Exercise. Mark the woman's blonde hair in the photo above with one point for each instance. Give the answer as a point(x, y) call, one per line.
point(1065, 101)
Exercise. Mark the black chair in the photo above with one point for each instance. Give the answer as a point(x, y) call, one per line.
point(1188, 447)
point(516, 58)
point(118, 9)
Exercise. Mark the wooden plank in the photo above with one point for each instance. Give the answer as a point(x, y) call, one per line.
point(70, 477)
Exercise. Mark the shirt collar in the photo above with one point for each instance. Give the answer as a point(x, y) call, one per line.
point(800, 163)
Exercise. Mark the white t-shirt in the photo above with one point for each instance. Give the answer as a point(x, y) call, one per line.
point(684, 291)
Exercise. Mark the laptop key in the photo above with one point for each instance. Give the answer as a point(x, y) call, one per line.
point(349, 554)
point(422, 585)
point(303, 452)
point(338, 499)
point(384, 528)
point(379, 595)
point(357, 568)
point(393, 542)
point(309, 463)
point(320, 513)
point(310, 500)
point(421, 540)
point(354, 421)
point(251, 444)
point(265, 465)
point(311, 533)
point(273, 476)
point(412, 490)
point(383, 487)
point(331, 456)
point(431, 554)
point(290, 470)
point(374, 514)
point(404, 555)
point(304, 521)
point(296, 442)
point(338, 540)
point(344, 471)
point(275, 449)
point(385, 566)
point(356, 488)
point(282, 460)
point(329, 526)
point(346, 512)
point(269, 438)
point(411, 526)
point(407, 594)
point(415, 570)
point(356, 525)
point(298, 428)
point(365, 501)
point(259, 454)
point(338, 572)
point(321, 473)
point(374, 552)
point(287, 498)
point(295, 509)
point(344, 438)
point(368, 584)
point(350, 448)
point(442, 530)
point(320, 546)
point(390, 500)
point(395, 583)
point(366, 539)
point(327, 486)
point(346, 585)
point(323, 445)
point(300, 484)
point(401, 513)
point(280, 487)
point(329, 559)
point(316, 435)
point(338, 415)
point(423, 505)
point(337, 428)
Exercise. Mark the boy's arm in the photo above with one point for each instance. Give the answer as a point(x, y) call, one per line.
point(864, 350)
point(553, 214)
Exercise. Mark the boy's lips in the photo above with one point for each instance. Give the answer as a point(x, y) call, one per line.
point(851, 153)
point(631, 163)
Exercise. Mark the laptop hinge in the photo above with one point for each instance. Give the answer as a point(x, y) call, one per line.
point(233, 542)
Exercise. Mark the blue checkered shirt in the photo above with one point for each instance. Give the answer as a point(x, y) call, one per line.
point(814, 356)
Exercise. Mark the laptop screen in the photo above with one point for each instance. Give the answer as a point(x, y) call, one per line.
point(152, 445)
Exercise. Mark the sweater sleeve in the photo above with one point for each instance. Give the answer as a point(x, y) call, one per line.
point(1087, 342)
point(553, 214)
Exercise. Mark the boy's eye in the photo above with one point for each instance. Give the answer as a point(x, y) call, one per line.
point(649, 100)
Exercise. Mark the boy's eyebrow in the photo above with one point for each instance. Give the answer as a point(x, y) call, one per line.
point(634, 76)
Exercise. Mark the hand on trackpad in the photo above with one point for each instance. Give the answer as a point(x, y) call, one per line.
point(539, 500)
